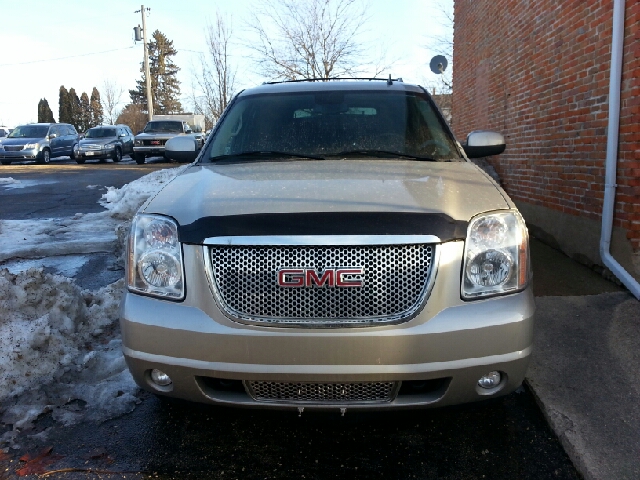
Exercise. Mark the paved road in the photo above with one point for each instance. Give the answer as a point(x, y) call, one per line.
point(63, 188)
point(504, 438)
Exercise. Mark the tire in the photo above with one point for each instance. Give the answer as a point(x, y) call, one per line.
point(117, 155)
point(6, 162)
point(80, 161)
point(46, 157)
point(139, 158)
point(74, 151)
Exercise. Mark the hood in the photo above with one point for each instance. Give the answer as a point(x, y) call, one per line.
point(97, 141)
point(21, 141)
point(457, 190)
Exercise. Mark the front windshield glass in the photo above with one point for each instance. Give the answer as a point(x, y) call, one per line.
point(29, 131)
point(334, 123)
point(100, 132)
point(163, 127)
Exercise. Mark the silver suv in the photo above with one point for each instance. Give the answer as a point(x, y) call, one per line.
point(40, 142)
point(331, 248)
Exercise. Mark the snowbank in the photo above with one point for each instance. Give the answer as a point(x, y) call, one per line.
point(60, 350)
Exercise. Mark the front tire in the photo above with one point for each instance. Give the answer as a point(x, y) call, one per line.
point(6, 162)
point(75, 151)
point(139, 158)
point(46, 156)
point(80, 161)
point(117, 155)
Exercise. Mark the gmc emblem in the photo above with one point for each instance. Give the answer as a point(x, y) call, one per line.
point(331, 277)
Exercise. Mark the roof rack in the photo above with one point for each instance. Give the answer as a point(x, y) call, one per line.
point(332, 79)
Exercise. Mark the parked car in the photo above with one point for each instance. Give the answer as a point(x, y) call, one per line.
point(150, 142)
point(4, 131)
point(40, 142)
point(106, 141)
point(331, 247)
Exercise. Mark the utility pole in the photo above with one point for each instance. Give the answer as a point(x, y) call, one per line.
point(147, 73)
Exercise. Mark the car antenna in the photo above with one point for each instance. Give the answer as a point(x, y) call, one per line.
point(389, 82)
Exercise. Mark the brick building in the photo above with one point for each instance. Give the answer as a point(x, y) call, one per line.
point(538, 72)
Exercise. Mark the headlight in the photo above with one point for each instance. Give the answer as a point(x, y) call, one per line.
point(108, 146)
point(138, 143)
point(30, 145)
point(496, 255)
point(154, 260)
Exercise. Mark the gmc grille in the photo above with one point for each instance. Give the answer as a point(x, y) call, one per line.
point(395, 284)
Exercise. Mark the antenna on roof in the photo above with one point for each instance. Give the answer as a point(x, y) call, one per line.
point(389, 82)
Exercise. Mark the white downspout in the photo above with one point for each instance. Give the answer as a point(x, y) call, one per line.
point(612, 152)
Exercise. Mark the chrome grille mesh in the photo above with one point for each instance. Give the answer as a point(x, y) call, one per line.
point(395, 283)
point(371, 392)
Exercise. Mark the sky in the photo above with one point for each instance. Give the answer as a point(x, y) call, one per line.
point(82, 44)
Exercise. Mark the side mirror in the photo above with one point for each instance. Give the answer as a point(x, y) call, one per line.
point(52, 136)
point(181, 149)
point(122, 135)
point(484, 143)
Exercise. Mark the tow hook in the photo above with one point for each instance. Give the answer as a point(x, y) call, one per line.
point(300, 410)
point(343, 411)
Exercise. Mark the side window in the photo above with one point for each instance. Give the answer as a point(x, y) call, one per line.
point(71, 130)
point(54, 130)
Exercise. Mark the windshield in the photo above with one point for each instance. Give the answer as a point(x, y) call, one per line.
point(100, 132)
point(29, 131)
point(334, 123)
point(163, 127)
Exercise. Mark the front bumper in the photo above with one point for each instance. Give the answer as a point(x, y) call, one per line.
point(30, 154)
point(450, 340)
point(148, 151)
point(95, 154)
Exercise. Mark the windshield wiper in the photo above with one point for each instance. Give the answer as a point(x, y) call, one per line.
point(382, 154)
point(266, 153)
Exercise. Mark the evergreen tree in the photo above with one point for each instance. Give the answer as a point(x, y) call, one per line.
point(74, 108)
point(45, 115)
point(165, 87)
point(84, 117)
point(64, 107)
point(95, 105)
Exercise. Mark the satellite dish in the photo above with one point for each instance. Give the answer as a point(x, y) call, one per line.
point(438, 64)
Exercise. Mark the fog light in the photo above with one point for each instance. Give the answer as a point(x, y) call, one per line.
point(490, 380)
point(160, 378)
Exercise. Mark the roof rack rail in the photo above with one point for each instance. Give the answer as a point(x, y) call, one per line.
point(332, 79)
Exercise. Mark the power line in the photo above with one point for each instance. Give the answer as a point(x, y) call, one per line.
point(65, 58)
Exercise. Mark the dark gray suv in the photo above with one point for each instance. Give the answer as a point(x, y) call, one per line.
point(106, 141)
point(40, 142)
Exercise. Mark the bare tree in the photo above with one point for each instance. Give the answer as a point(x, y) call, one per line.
point(216, 76)
point(110, 99)
point(311, 38)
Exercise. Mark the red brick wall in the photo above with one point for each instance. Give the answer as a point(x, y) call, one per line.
point(537, 71)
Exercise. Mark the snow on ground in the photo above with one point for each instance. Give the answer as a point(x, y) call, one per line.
point(60, 350)
point(9, 183)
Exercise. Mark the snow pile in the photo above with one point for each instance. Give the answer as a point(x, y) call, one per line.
point(8, 180)
point(59, 343)
point(124, 202)
point(60, 350)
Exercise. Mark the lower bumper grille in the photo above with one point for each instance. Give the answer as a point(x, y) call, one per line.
point(337, 393)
